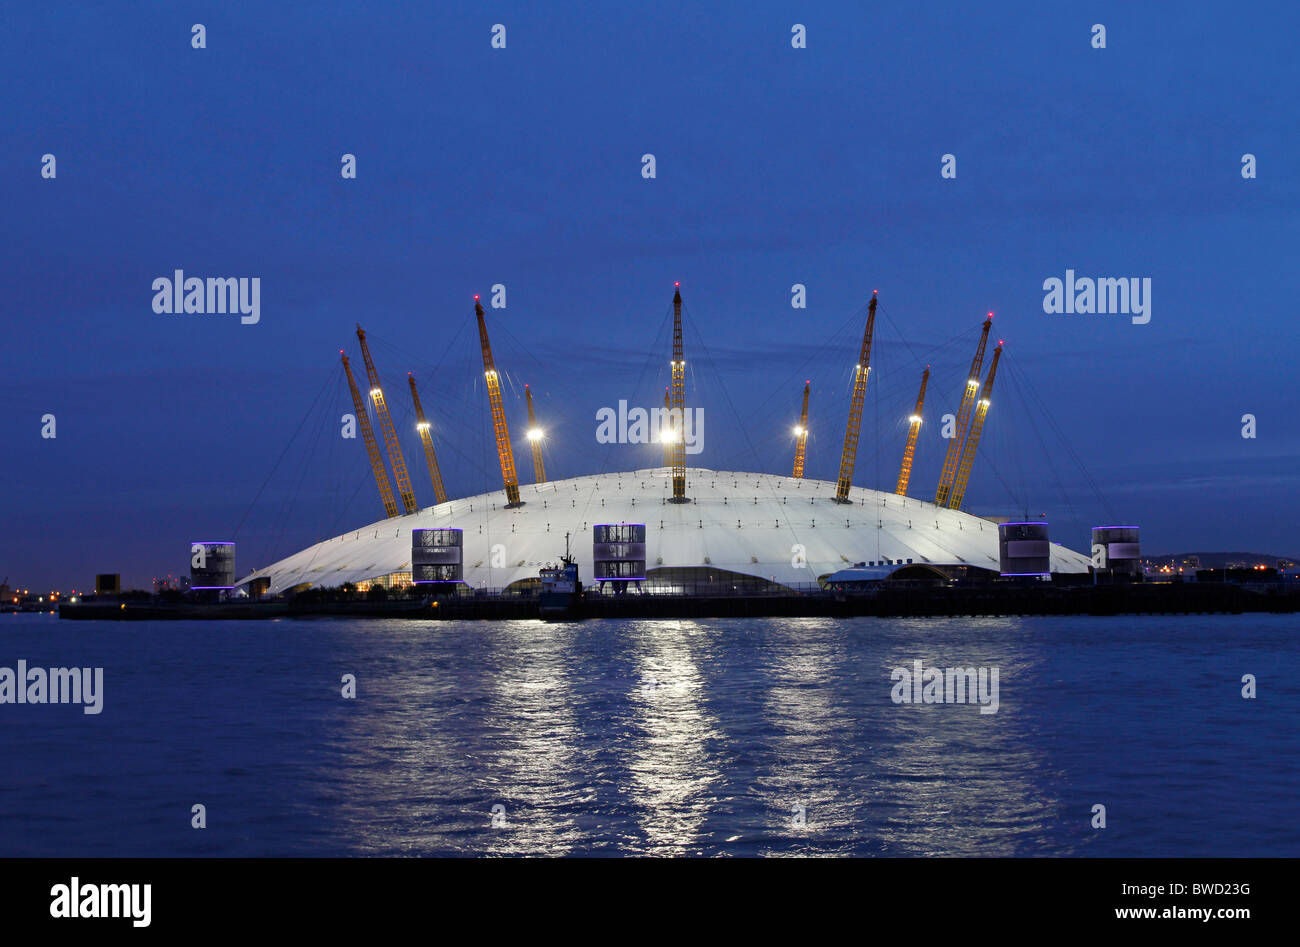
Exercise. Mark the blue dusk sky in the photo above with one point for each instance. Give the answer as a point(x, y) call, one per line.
point(522, 166)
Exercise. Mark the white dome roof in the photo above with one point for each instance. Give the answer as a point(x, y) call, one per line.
point(757, 524)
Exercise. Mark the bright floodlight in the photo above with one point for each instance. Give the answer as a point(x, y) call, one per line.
point(667, 435)
point(797, 430)
point(422, 426)
point(915, 419)
point(375, 392)
point(535, 434)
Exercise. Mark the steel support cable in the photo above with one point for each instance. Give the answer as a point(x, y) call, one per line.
point(832, 342)
point(602, 458)
point(440, 396)
point(1042, 442)
point(708, 356)
point(338, 518)
point(991, 464)
point(290, 503)
point(1069, 449)
point(636, 388)
point(767, 415)
point(1000, 439)
point(605, 456)
point(771, 488)
point(310, 411)
point(662, 334)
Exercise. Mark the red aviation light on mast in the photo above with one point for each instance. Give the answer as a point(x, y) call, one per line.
point(677, 411)
point(504, 454)
point(972, 440)
point(853, 429)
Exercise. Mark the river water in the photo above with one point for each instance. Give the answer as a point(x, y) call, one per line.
point(736, 737)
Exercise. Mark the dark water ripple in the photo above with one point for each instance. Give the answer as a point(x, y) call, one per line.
point(671, 737)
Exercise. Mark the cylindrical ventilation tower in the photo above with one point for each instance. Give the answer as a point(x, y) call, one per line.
point(436, 555)
point(618, 552)
point(212, 565)
point(1115, 549)
point(1024, 549)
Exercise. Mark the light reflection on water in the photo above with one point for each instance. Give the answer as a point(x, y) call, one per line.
point(671, 762)
point(682, 737)
point(953, 781)
point(658, 737)
point(807, 789)
point(530, 765)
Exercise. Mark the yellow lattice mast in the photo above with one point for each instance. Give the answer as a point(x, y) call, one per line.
point(368, 436)
point(914, 428)
point(849, 455)
point(963, 418)
point(973, 437)
point(504, 453)
point(535, 439)
point(426, 438)
point(679, 402)
point(386, 425)
point(665, 430)
point(801, 434)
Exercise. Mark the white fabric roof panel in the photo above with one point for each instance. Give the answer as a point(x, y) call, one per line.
point(758, 524)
